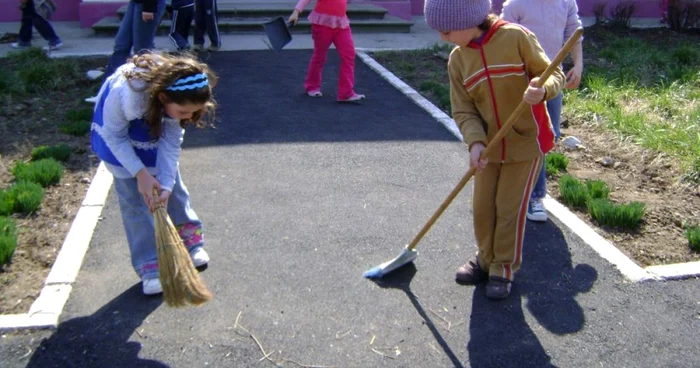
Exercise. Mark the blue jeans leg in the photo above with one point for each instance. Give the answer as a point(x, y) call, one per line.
point(30, 18)
point(138, 224)
point(140, 230)
point(133, 33)
point(554, 109)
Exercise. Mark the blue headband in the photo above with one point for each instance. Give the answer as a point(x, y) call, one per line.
point(190, 82)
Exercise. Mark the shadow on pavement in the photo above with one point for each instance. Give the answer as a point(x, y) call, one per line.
point(499, 335)
point(102, 339)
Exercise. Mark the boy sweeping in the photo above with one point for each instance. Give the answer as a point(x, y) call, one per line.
point(493, 67)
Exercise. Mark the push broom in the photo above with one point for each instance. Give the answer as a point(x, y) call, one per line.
point(409, 254)
point(179, 278)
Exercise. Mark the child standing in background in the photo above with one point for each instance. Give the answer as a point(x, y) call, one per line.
point(182, 15)
point(330, 25)
point(552, 22)
point(37, 14)
point(206, 21)
point(494, 67)
point(137, 130)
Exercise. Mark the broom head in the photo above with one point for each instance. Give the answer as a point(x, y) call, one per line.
point(181, 281)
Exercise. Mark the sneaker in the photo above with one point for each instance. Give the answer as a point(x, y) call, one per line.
point(200, 257)
point(92, 99)
point(536, 211)
point(213, 48)
point(354, 98)
point(498, 288)
point(152, 286)
point(314, 93)
point(18, 45)
point(471, 273)
point(53, 47)
point(197, 47)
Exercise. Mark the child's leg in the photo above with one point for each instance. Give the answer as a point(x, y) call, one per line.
point(200, 22)
point(323, 37)
point(213, 23)
point(138, 224)
point(123, 41)
point(346, 49)
point(513, 193)
point(42, 25)
point(26, 27)
point(182, 20)
point(484, 208)
point(554, 109)
point(183, 216)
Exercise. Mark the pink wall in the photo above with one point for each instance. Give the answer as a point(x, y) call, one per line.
point(67, 10)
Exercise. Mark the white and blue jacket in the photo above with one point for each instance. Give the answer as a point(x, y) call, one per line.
point(120, 136)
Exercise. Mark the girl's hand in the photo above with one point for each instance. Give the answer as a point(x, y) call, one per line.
point(534, 95)
point(163, 198)
point(146, 16)
point(294, 17)
point(146, 183)
point(573, 77)
point(475, 154)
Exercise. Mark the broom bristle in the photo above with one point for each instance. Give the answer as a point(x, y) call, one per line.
point(181, 281)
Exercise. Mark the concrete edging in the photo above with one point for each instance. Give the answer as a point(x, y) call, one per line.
point(603, 247)
point(47, 308)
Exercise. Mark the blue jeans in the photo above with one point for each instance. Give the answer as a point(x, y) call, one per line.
point(133, 33)
point(554, 110)
point(30, 18)
point(139, 227)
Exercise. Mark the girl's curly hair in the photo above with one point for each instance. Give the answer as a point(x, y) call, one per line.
point(160, 71)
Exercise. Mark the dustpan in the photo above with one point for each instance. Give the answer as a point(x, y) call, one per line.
point(278, 33)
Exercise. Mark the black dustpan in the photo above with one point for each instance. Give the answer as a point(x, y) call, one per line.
point(278, 33)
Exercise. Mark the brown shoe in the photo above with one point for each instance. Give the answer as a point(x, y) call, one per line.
point(471, 273)
point(498, 288)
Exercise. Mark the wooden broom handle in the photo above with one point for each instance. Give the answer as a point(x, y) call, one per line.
point(499, 135)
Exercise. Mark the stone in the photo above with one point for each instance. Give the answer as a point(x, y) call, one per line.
point(94, 74)
point(571, 142)
point(606, 161)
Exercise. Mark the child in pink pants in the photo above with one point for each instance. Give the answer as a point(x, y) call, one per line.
point(330, 25)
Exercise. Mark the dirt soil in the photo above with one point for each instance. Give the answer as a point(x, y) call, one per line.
point(633, 173)
point(26, 123)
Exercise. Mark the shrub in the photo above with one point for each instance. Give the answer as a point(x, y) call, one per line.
point(573, 192)
point(59, 152)
point(686, 55)
point(627, 216)
point(7, 203)
point(693, 235)
point(682, 15)
point(622, 13)
point(556, 162)
point(77, 115)
point(26, 197)
point(8, 239)
point(45, 172)
point(597, 189)
point(75, 128)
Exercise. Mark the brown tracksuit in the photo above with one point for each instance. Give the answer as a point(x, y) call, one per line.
point(487, 81)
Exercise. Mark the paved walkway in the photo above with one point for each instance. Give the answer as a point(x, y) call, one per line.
point(300, 196)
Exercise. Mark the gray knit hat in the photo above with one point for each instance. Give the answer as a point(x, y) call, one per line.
point(454, 15)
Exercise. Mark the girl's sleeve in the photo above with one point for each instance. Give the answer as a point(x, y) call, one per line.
point(573, 22)
point(115, 131)
point(169, 154)
point(510, 12)
point(536, 62)
point(301, 5)
point(464, 111)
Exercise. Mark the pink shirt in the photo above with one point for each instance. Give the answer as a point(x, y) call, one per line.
point(321, 18)
point(552, 21)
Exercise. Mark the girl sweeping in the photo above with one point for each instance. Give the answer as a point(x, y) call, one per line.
point(330, 25)
point(137, 129)
point(494, 67)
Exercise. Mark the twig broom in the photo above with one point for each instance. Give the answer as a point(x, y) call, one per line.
point(179, 278)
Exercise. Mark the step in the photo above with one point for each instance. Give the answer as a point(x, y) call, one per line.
point(108, 26)
point(272, 10)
